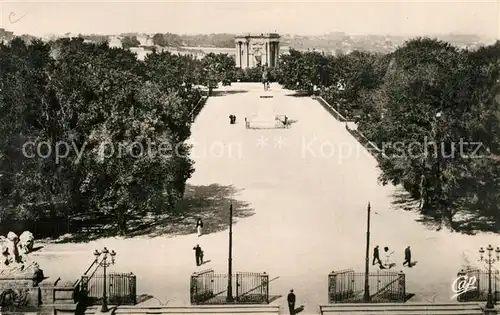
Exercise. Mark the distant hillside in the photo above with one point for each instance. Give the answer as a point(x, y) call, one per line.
point(336, 42)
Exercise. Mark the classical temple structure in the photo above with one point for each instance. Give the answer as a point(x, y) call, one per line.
point(257, 49)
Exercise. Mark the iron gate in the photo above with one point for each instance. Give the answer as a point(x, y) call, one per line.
point(347, 286)
point(479, 290)
point(121, 288)
point(207, 287)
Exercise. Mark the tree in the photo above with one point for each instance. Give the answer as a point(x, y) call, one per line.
point(304, 71)
point(159, 40)
point(130, 41)
point(215, 68)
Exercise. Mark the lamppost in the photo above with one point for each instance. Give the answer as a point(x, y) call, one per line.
point(489, 260)
point(104, 263)
point(366, 297)
point(229, 298)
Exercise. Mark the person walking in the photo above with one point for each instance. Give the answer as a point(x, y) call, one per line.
point(407, 257)
point(198, 254)
point(376, 257)
point(199, 226)
point(388, 261)
point(291, 302)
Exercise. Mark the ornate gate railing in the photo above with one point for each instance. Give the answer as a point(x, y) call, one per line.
point(479, 288)
point(207, 287)
point(347, 286)
point(121, 288)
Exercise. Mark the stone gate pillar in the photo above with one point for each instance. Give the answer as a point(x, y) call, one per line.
point(238, 54)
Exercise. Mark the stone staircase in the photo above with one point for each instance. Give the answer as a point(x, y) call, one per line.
point(192, 310)
point(403, 309)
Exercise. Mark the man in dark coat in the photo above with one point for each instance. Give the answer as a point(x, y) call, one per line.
point(198, 254)
point(291, 302)
point(376, 257)
point(407, 257)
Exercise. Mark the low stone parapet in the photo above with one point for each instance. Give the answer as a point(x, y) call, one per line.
point(193, 310)
point(402, 309)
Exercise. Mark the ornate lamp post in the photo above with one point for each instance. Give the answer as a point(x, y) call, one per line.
point(489, 260)
point(104, 263)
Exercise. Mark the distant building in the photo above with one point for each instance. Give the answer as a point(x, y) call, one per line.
point(115, 42)
point(145, 40)
point(254, 50)
point(5, 35)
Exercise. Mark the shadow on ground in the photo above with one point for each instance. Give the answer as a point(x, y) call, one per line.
point(469, 222)
point(299, 94)
point(408, 296)
point(143, 298)
point(218, 93)
point(273, 298)
point(210, 203)
point(402, 200)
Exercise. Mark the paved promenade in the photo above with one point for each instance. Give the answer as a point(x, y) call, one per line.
point(308, 186)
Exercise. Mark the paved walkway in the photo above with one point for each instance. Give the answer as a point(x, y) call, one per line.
point(309, 186)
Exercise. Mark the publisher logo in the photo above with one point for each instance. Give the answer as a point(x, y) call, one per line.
point(463, 284)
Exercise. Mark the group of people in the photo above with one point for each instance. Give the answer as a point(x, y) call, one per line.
point(266, 85)
point(388, 263)
point(198, 252)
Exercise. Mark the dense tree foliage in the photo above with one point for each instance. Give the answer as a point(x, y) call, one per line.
point(130, 41)
point(303, 71)
point(215, 68)
point(91, 131)
point(168, 39)
point(433, 110)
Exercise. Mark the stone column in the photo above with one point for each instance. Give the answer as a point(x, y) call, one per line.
point(268, 49)
point(248, 54)
point(238, 55)
point(277, 46)
point(240, 64)
point(244, 55)
point(272, 56)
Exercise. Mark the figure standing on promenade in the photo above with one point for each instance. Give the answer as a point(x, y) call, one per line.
point(198, 254)
point(376, 257)
point(199, 226)
point(407, 257)
point(291, 302)
point(265, 78)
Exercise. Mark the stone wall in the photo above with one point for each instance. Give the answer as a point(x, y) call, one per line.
point(22, 294)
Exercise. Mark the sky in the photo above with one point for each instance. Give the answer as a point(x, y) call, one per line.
point(406, 18)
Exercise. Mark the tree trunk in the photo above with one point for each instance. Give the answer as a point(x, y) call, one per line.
point(122, 223)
